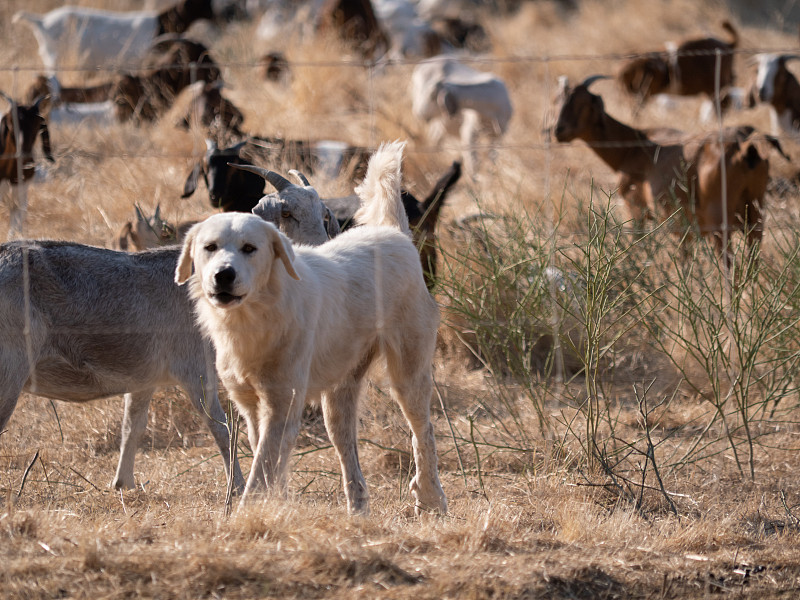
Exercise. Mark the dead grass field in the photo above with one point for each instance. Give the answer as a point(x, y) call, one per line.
point(531, 515)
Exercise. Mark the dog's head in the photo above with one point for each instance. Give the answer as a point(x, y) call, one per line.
point(233, 255)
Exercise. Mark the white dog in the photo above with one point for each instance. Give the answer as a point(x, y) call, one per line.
point(306, 323)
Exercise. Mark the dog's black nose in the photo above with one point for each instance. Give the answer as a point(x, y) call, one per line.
point(225, 277)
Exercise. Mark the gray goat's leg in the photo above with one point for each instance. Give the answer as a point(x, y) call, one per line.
point(340, 409)
point(134, 421)
point(206, 400)
point(12, 381)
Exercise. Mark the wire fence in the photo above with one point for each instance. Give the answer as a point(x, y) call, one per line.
point(540, 140)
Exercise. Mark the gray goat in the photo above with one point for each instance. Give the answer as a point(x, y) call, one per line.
point(99, 323)
point(104, 322)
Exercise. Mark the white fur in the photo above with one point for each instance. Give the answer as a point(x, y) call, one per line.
point(460, 101)
point(305, 323)
point(90, 37)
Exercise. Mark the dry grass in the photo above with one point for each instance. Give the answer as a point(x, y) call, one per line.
point(529, 518)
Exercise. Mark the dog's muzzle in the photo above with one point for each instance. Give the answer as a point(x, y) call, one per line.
point(224, 280)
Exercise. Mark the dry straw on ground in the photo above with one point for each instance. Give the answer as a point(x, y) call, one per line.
point(534, 511)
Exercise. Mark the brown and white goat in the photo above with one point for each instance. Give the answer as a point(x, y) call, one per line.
point(19, 128)
point(686, 70)
point(674, 174)
point(777, 86)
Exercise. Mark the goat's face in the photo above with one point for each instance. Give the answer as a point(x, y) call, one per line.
point(768, 65)
point(233, 256)
point(30, 123)
point(299, 214)
point(580, 111)
point(227, 184)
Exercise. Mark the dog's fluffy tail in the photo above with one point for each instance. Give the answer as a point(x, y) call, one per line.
point(380, 191)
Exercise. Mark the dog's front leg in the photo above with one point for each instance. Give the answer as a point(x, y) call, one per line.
point(279, 414)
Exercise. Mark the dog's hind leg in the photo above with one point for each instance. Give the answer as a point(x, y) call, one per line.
point(412, 383)
point(340, 409)
point(134, 421)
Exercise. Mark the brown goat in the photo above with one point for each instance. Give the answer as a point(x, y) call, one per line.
point(656, 174)
point(688, 70)
point(19, 129)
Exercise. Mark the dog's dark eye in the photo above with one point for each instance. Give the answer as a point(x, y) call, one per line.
point(248, 248)
point(210, 247)
point(286, 214)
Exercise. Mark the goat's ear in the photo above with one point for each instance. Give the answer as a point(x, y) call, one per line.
point(331, 223)
point(123, 235)
point(183, 270)
point(191, 182)
point(282, 249)
point(447, 101)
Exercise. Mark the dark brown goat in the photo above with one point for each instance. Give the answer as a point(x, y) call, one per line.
point(46, 86)
point(177, 18)
point(217, 114)
point(688, 70)
point(147, 96)
point(19, 129)
point(354, 22)
point(423, 217)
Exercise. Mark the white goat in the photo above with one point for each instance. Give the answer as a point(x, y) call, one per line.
point(460, 101)
point(91, 38)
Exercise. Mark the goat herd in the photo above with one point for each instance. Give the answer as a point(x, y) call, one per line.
point(283, 323)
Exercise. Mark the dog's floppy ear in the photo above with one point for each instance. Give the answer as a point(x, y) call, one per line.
point(282, 249)
point(183, 270)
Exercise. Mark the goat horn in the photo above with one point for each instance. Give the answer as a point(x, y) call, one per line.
point(8, 98)
point(238, 146)
point(279, 182)
point(157, 215)
point(166, 37)
point(592, 78)
point(299, 176)
point(39, 100)
point(785, 57)
point(139, 215)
